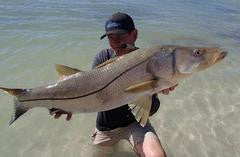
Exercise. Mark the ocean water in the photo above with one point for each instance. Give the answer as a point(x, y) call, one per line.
point(200, 118)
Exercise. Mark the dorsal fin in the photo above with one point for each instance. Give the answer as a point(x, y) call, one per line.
point(64, 70)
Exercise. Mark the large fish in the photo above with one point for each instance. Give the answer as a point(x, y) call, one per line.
point(128, 79)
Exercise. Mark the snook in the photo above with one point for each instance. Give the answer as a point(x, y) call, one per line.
point(131, 78)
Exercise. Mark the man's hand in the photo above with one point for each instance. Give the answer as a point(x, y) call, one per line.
point(58, 113)
point(166, 91)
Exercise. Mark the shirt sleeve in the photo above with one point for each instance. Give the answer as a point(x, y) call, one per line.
point(155, 104)
point(102, 56)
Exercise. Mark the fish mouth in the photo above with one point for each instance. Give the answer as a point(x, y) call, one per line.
point(221, 56)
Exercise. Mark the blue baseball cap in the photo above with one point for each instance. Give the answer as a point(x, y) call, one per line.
point(118, 23)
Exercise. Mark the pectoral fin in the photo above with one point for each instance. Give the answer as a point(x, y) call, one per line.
point(141, 109)
point(65, 70)
point(143, 86)
point(107, 62)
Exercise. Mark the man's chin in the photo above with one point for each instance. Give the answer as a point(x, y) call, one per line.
point(117, 49)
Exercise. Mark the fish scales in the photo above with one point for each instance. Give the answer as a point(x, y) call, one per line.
point(131, 78)
point(102, 86)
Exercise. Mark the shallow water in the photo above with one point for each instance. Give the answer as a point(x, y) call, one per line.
point(200, 118)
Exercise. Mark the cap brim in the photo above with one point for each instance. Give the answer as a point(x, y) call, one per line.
point(103, 36)
point(118, 31)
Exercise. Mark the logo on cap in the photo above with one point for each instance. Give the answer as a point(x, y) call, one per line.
point(112, 25)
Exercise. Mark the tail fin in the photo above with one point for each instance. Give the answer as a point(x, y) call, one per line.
point(19, 109)
point(14, 92)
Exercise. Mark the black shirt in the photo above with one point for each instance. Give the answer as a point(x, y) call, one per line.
point(121, 116)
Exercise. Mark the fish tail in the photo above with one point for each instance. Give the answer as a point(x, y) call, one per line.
point(14, 91)
point(19, 109)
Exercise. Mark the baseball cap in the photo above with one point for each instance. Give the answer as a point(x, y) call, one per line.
point(118, 23)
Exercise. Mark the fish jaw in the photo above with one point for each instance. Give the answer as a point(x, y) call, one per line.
point(211, 57)
point(221, 56)
point(194, 59)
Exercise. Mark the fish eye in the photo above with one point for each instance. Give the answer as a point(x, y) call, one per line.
point(197, 52)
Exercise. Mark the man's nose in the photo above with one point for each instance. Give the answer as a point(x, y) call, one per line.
point(117, 42)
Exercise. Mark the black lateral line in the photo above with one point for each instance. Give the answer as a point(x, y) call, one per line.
point(77, 97)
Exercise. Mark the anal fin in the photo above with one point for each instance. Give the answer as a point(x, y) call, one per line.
point(141, 109)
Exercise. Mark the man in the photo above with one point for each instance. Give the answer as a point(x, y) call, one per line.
point(119, 123)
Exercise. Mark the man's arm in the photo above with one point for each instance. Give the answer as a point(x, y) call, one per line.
point(156, 102)
point(58, 112)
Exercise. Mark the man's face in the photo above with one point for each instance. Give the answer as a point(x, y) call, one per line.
point(116, 40)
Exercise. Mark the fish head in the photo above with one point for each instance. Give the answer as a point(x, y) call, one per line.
point(194, 59)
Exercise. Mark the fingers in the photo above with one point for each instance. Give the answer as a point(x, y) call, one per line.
point(165, 91)
point(52, 111)
point(58, 113)
point(69, 116)
point(173, 87)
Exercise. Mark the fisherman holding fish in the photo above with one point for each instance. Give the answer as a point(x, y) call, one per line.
point(118, 78)
point(119, 123)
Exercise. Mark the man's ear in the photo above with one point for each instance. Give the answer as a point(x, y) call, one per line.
point(135, 35)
